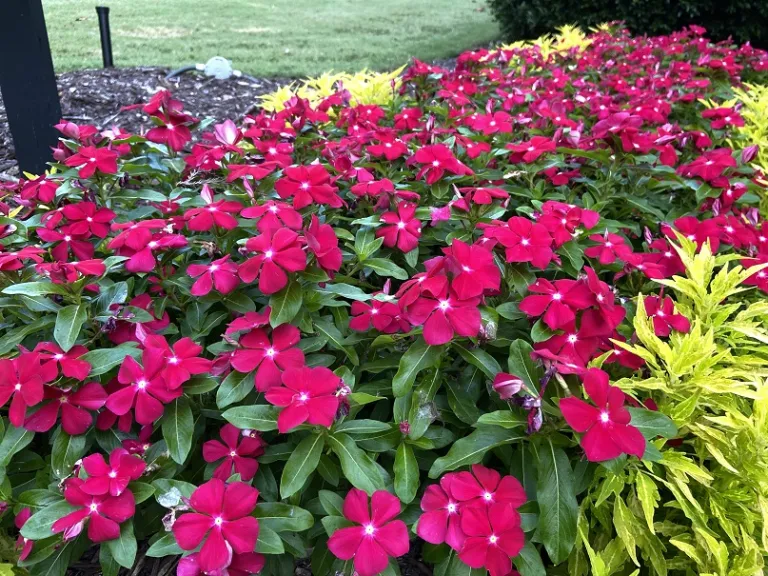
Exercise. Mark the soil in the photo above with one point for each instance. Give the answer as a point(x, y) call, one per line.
point(97, 96)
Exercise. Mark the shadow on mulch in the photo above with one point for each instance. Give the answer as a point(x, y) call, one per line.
point(96, 97)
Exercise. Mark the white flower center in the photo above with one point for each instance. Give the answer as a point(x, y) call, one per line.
point(525, 242)
point(369, 529)
point(142, 384)
point(466, 269)
point(214, 267)
point(572, 338)
point(173, 360)
point(271, 352)
point(17, 387)
point(492, 539)
point(305, 185)
point(605, 417)
point(93, 507)
point(444, 305)
point(487, 496)
point(436, 163)
point(400, 225)
point(233, 454)
point(112, 474)
point(58, 356)
point(303, 397)
point(451, 508)
point(218, 521)
point(268, 254)
point(557, 296)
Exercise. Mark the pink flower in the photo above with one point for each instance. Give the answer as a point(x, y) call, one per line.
point(24, 545)
point(403, 228)
point(86, 218)
point(307, 395)
point(524, 241)
point(249, 321)
point(220, 273)
point(308, 185)
point(214, 214)
point(507, 385)
point(323, 243)
point(532, 150)
point(609, 248)
point(493, 536)
point(269, 359)
point(104, 513)
point(144, 390)
point(112, 478)
point(22, 379)
point(386, 317)
point(605, 315)
point(89, 159)
point(241, 565)
point(173, 130)
point(277, 253)
point(441, 520)
point(608, 432)
point(377, 538)
point(76, 407)
point(237, 453)
point(557, 301)
point(486, 486)
point(222, 519)
point(444, 314)
point(69, 362)
point(474, 270)
point(272, 216)
point(436, 160)
point(662, 311)
point(178, 363)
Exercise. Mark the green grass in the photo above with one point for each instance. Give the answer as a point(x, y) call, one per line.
point(268, 37)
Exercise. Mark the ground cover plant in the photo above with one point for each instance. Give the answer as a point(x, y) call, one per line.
point(283, 38)
point(510, 319)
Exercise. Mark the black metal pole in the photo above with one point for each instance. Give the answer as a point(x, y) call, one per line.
point(28, 83)
point(106, 36)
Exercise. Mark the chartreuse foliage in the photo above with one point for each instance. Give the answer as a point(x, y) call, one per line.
point(700, 503)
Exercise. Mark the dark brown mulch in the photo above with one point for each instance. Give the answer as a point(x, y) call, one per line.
point(96, 96)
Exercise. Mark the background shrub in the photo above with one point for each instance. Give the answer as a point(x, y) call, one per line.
point(742, 20)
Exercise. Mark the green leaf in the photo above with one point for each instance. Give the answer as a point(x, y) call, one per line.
point(283, 517)
point(123, 549)
point(558, 509)
point(69, 321)
point(422, 408)
point(521, 365)
point(261, 417)
point(331, 502)
point(461, 404)
point(234, 388)
point(322, 558)
point(504, 418)
point(363, 427)
point(36, 289)
point(200, 385)
point(648, 494)
point(472, 448)
point(12, 338)
point(366, 244)
point(541, 332)
point(652, 424)
point(510, 311)
point(269, 541)
point(384, 267)
point(39, 524)
point(481, 359)
point(285, 304)
point(14, 440)
point(357, 466)
point(65, 452)
point(528, 562)
point(418, 357)
point(406, 473)
point(109, 566)
point(623, 521)
point(178, 424)
point(104, 359)
point(335, 338)
point(164, 546)
point(141, 491)
point(301, 464)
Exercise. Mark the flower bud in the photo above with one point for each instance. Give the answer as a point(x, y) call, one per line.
point(749, 153)
point(507, 385)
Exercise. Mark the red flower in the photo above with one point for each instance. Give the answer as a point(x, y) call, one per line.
point(69, 362)
point(10, 261)
point(277, 253)
point(272, 216)
point(408, 119)
point(474, 270)
point(492, 123)
point(269, 359)
point(24, 545)
point(524, 241)
point(173, 132)
point(486, 486)
point(237, 453)
point(403, 230)
point(696, 231)
point(711, 165)
point(78, 245)
point(608, 432)
point(532, 150)
point(386, 317)
point(441, 520)
point(720, 118)
point(179, 363)
point(610, 247)
point(220, 273)
point(40, 188)
point(444, 314)
point(602, 319)
point(76, 409)
point(436, 160)
point(241, 565)
point(249, 321)
point(214, 214)
point(390, 148)
point(22, 379)
point(257, 172)
point(662, 311)
point(493, 536)
point(112, 478)
point(104, 513)
point(507, 385)
point(89, 159)
point(87, 219)
point(307, 395)
point(561, 220)
point(144, 390)
point(323, 243)
point(221, 517)
point(558, 302)
point(378, 536)
point(308, 185)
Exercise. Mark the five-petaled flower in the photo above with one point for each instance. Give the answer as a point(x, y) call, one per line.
point(270, 358)
point(307, 395)
point(276, 253)
point(237, 451)
point(402, 228)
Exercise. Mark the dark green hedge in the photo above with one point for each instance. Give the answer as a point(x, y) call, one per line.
point(743, 20)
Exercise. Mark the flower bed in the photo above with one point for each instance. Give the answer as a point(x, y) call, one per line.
point(514, 312)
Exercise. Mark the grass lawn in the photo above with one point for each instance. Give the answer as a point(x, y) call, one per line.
point(268, 37)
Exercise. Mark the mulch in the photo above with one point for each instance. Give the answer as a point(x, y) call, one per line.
point(97, 96)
